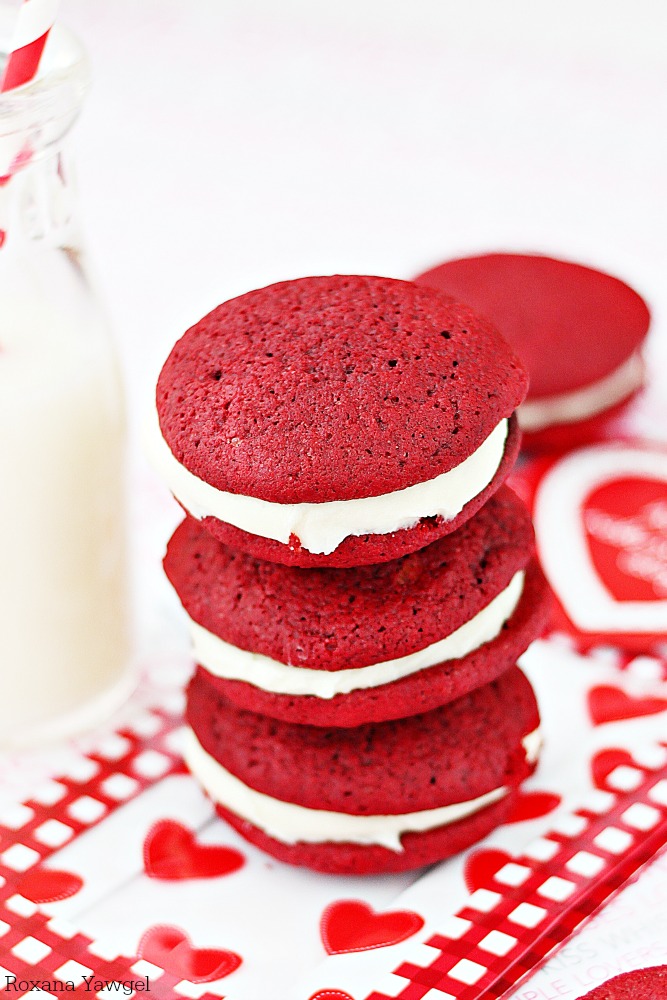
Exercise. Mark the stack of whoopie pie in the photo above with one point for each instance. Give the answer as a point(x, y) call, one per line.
point(359, 582)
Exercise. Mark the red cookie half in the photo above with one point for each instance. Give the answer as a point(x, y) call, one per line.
point(381, 797)
point(347, 646)
point(337, 420)
point(643, 984)
point(577, 330)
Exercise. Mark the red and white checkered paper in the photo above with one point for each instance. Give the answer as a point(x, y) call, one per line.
point(536, 880)
point(92, 823)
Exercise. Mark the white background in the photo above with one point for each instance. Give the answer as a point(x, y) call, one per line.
point(229, 144)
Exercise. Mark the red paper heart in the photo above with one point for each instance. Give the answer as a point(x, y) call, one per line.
point(331, 995)
point(482, 865)
point(606, 761)
point(626, 530)
point(531, 805)
point(170, 949)
point(171, 852)
point(350, 925)
point(610, 704)
point(601, 527)
point(46, 885)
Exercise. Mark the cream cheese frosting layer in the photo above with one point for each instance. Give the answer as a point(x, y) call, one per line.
point(568, 408)
point(321, 527)
point(532, 744)
point(291, 823)
point(222, 659)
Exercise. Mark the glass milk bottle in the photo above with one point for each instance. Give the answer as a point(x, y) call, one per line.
point(64, 645)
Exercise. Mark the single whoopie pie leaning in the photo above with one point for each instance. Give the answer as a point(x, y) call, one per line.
point(377, 798)
point(341, 420)
point(577, 330)
point(340, 647)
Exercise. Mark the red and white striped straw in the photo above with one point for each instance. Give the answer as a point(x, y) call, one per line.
point(34, 22)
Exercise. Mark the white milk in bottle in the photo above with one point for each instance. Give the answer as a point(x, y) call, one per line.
point(64, 637)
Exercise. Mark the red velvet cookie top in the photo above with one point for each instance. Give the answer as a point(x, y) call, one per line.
point(334, 388)
point(336, 619)
point(452, 754)
point(570, 325)
point(644, 984)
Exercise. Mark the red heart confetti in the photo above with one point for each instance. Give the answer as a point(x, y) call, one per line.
point(47, 885)
point(625, 531)
point(532, 805)
point(482, 865)
point(611, 704)
point(171, 852)
point(171, 949)
point(608, 569)
point(350, 925)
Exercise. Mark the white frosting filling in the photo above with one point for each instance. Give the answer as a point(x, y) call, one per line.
point(321, 527)
point(292, 823)
point(224, 660)
point(582, 403)
point(532, 744)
